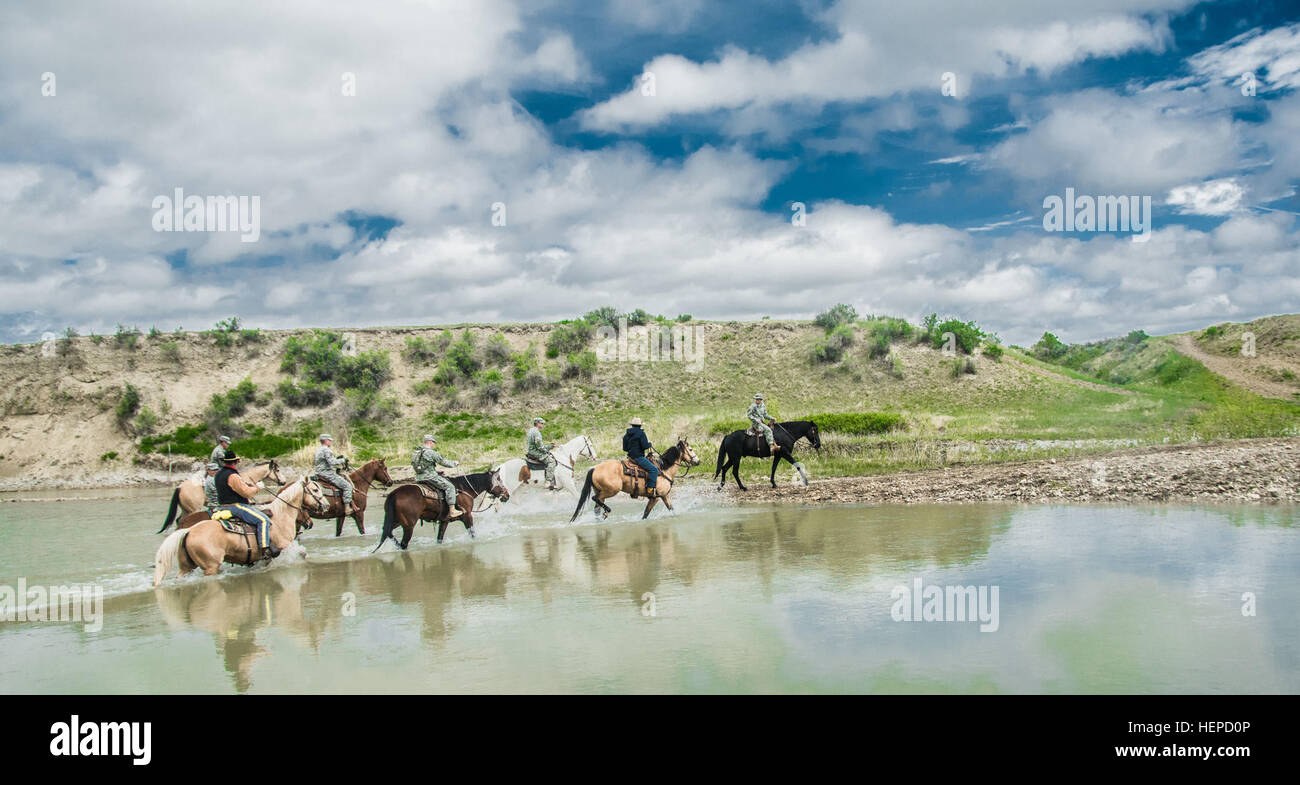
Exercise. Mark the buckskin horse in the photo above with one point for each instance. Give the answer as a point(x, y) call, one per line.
point(609, 479)
point(372, 471)
point(188, 496)
point(738, 444)
point(409, 504)
point(206, 544)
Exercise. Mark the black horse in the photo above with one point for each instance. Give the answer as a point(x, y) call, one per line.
point(737, 445)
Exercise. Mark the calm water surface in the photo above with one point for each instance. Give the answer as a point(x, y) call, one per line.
point(713, 599)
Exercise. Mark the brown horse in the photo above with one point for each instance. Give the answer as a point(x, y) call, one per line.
point(407, 505)
point(205, 545)
point(607, 479)
point(374, 470)
point(188, 496)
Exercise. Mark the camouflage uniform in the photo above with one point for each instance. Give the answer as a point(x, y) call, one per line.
point(757, 414)
point(210, 487)
point(218, 455)
point(537, 450)
point(424, 461)
point(325, 467)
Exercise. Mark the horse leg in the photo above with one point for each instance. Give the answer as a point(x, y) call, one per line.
point(338, 522)
point(442, 529)
point(360, 519)
point(407, 530)
point(776, 459)
point(735, 472)
point(650, 503)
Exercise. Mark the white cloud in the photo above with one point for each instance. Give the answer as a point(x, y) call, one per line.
point(1213, 197)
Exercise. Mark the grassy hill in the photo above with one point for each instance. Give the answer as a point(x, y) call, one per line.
point(106, 409)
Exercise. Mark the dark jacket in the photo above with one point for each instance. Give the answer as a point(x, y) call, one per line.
point(635, 442)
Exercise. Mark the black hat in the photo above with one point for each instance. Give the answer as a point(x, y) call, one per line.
point(229, 457)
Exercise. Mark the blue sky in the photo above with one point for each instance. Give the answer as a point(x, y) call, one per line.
point(377, 207)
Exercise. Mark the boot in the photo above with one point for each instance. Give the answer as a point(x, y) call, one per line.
point(271, 551)
point(455, 513)
point(352, 510)
point(776, 448)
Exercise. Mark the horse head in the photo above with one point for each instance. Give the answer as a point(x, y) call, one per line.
point(312, 490)
point(688, 455)
point(498, 488)
point(273, 473)
point(588, 448)
point(814, 436)
point(381, 472)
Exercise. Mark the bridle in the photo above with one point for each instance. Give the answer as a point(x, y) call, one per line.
point(305, 492)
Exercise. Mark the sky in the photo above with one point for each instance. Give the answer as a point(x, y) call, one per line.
point(529, 160)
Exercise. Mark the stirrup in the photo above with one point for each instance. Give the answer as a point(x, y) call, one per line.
point(454, 513)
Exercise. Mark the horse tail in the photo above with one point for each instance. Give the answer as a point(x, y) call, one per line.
point(171, 511)
point(721, 449)
point(390, 517)
point(582, 499)
point(167, 554)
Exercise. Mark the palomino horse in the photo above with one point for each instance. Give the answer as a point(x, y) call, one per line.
point(608, 479)
point(738, 444)
point(372, 471)
point(515, 472)
point(407, 505)
point(205, 545)
point(188, 496)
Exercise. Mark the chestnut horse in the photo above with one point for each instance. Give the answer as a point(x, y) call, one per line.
point(406, 505)
point(188, 496)
point(205, 545)
point(608, 479)
point(372, 471)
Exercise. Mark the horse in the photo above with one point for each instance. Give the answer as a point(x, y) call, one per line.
point(608, 479)
point(738, 444)
point(373, 470)
point(188, 496)
point(205, 545)
point(407, 505)
point(515, 472)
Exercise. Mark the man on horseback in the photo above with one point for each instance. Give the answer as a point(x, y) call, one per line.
point(325, 467)
point(538, 452)
point(236, 494)
point(210, 484)
point(635, 444)
point(425, 461)
point(757, 415)
point(219, 452)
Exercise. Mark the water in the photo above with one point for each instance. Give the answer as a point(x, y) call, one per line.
point(714, 599)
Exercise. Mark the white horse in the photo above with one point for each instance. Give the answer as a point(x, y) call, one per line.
point(515, 472)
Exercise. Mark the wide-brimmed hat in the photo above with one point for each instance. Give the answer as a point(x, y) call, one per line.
point(229, 457)
point(636, 421)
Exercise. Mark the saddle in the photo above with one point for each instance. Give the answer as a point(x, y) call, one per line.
point(751, 430)
point(428, 490)
point(631, 469)
point(536, 466)
point(234, 524)
point(327, 488)
point(640, 477)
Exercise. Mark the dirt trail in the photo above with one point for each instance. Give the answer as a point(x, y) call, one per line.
point(1233, 370)
point(1251, 471)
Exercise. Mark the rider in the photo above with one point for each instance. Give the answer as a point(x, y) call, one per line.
point(540, 452)
point(426, 460)
point(210, 484)
point(219, 452)
point(325, 467)
point(757, 415)
point(236, 494)
point(635, 444)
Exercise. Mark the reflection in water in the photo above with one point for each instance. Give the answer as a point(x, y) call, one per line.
point(746, 599)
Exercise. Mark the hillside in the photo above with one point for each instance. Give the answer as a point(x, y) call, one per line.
point(85, 411)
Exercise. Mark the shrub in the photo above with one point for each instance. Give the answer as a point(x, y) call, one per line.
point(580, 365)
point(463, 355)
point(683, 317)
point(835, 316)
point(306, 394)
point(126, 338)
point(127, 405)
point(170, 351)
point(637, 318)
point(993, 351)
point(832, 349)
point(1049, 348)
point(605, 316)
point(108, 456)
point(322, 358)
point(966, 335)
point(146, 422)
point(489, 385)
point(421, 351)
point(497, 350)
point(568, 338)
point(223, 408)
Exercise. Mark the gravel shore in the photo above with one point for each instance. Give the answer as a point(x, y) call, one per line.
point(1253, 471)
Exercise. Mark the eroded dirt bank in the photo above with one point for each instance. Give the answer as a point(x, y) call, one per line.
point(1259, 471)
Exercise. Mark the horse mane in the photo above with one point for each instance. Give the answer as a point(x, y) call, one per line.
point(669, 456)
